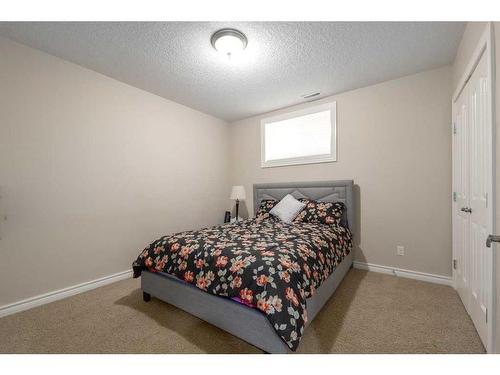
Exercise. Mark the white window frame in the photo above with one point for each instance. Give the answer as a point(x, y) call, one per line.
point(313, 159)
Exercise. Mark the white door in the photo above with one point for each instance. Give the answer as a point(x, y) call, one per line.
point(461, 196)
point(472, 209)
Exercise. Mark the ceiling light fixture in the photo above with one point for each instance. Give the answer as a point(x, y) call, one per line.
point(229, 41)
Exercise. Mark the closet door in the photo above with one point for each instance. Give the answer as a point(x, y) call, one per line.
point(480, 212)
point(461, 218)
point(472, 207)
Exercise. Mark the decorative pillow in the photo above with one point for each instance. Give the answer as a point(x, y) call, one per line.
point(287, 209)
point(266, 205)
point(320, 212)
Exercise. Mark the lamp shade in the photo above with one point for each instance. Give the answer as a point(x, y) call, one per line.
point(238, 192)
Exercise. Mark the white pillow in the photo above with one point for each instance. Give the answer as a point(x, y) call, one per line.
point(287, 209)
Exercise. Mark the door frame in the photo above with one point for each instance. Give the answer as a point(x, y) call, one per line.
point(485, 46)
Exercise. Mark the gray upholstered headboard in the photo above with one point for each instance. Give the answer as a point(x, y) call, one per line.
point(322, 191)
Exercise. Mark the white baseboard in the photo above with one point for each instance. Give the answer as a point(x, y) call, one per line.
point(43, 299)
point(56, 295)
point(416, 275)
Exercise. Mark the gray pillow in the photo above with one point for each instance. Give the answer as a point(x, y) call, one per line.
point(287, 209)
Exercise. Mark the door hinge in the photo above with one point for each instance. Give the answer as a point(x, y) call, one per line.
point(486, 200)
point(454, 264)
point(454, 196)
point(454, 127)
point(486, 313)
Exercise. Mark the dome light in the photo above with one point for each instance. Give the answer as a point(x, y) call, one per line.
point(229, 41)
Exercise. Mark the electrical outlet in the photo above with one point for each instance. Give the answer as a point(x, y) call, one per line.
point(400, 250)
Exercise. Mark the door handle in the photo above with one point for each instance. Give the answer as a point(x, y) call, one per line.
point(466, 209)
point(491, 238)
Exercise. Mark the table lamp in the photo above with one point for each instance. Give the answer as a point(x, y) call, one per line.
point(238, 194)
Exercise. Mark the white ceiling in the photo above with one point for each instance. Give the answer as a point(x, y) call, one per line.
point(282, 61)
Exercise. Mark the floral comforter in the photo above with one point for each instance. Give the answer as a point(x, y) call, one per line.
point(266, 264)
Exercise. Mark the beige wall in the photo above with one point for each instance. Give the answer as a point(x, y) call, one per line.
point(470, 38)
point(394, 141)
point(92, 170)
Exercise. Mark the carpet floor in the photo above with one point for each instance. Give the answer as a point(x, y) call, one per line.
point(369, 313)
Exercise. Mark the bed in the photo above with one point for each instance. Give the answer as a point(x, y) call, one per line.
point(276, 324)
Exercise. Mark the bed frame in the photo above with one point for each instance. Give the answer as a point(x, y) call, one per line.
point(248, 323)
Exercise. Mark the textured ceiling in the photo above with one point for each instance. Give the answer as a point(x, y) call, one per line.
point(282, 61)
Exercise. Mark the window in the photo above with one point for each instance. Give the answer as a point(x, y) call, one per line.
point(300, 137)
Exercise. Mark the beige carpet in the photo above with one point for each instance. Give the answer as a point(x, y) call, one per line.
point(369, 313)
